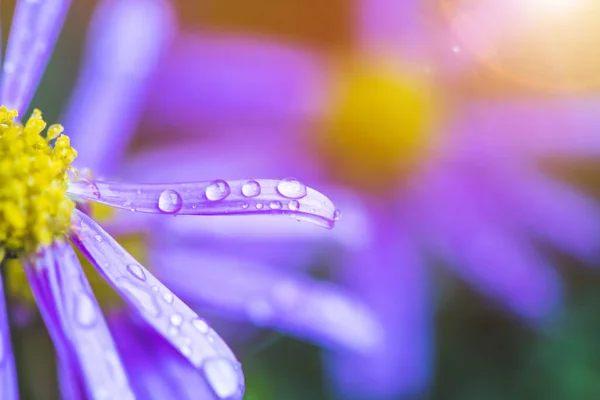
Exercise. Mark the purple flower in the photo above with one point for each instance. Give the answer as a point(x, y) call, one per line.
point(467, 190)
point(163, 349)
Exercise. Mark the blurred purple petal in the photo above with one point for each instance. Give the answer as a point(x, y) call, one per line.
point(159, 371)
point(218, 197)
point(69, 381)
point(273, 297)
point(392, 278)
point(220, 81)
point(163, 311)
point(481, 246)
point(549, 127)
point(8, 375)
point(33, 34)
point(75, 321)
point(125, 43)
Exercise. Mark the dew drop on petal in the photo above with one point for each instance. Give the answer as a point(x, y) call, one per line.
point(291, 188)
point(170, 201)
point(251, 188)
point(137, 271)
point(259, 206)
point(176, 319)
point(85, 312)
point(168, 297)
point(201, 325)
point(245, 206)
point(145, 300)
point(222, 377)
point(294, 205)
point(275, 205)
point(217, 190)
point(337, 214)
point(186, 350)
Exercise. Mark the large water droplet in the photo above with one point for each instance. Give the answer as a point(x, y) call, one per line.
point(217, 190)
point(222, 377)
point(170, 201)
point(85, 310)
point(294, 205)
point(275, 205)
point(137, 271)
point(201, 325)
point(145, 300)
point(291, 188)
point(251, 188)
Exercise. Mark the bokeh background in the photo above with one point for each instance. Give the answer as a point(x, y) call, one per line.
point(486, 50)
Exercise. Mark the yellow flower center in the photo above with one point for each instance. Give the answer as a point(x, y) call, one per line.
point(379, 127)
point(34, 207)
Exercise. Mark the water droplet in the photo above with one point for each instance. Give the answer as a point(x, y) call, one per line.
point(176, 319)
point(275, 205)
point(245, 206)
point(251, 188)
point(145, 300)
point(337, 214)
point(186, 350)
point(291, 188)
point(170, 201)
point(85, 310)
point(217, 190)
point(173, 331)
point(294, 205)
point(259, 206)
point(98, 238)
point(137, 271)
point(155, 288)
point(168, 297)
point(201, 325)
point(222, 377)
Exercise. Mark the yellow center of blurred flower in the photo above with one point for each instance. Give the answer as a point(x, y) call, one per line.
point(34, 207)
point(379, 128)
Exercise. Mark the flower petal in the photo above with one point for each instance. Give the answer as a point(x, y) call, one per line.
point(219, 81)
point(317, 311)
point(8, 374)
point(69, 382)
point(219, 197)
point(35, 28)
point(392, 279)
point(75, 321)
point(163, 311)
point(125, 42)
point(484, 248)
point(159, 371)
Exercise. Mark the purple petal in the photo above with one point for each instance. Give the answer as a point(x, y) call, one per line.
point(69, 381)
point(219, 197)
point(75, 321)
point(125, 42)
point(159, 371)
point(294, 304)
point(222, 81)
point(35, 28)
point(163, 311)
point(484, 250)
point(392, 278)
point(8, 374)
point(554, 127)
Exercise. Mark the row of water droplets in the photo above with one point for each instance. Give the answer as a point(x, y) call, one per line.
point(170, 201)
point(214, 368)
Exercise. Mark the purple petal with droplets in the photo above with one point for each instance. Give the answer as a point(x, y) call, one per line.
point(75, 321)
point(162, 310)
point(159, 372)
point(278, 197)
point(8, 374)
point(317, 311)
point(220, 81)
point(33, 34)
point(484, 250)
point(392, 279)
point(554, 127)
point(125, 42)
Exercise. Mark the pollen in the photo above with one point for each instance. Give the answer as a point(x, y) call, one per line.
point(34, 166)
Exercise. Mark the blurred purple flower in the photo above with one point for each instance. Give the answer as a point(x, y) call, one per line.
point(474, 202)
point(162, 349)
